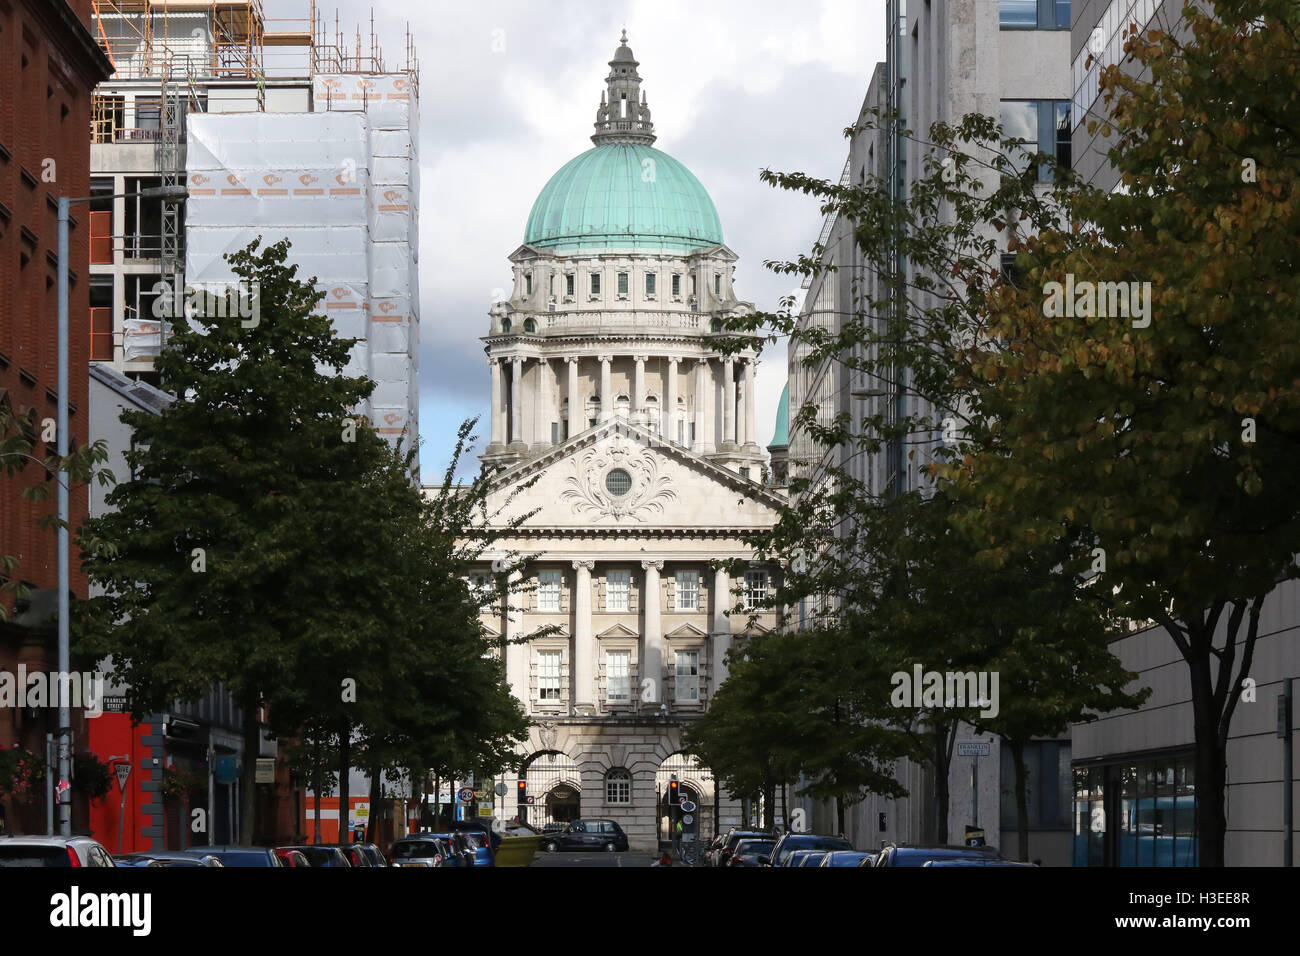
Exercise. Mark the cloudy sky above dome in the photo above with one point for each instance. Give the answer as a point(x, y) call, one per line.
point(509, 90)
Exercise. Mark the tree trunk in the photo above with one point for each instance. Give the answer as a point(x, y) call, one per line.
point(376, 802)
point(345, 796)
point(769, 806)
point(839, 813)
point(1211, 758)
point(1022, 798)
point(248, 779)
point(318, 782)
point(941, 797)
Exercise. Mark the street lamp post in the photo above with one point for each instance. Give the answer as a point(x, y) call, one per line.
point(63, 790)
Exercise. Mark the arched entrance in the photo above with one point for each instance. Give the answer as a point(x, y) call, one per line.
point(551, 778)
point(694, 783)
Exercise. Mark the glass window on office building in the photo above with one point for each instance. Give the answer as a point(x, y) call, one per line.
point(618, 786)
point(548, 675)
point(688, 588)
point(1136, 813)
point(687, 674)
point(1048, 785)
point(548, 591)
point(618, 676)
point(617, 585)
point(1037, 126)
point(1034, 14)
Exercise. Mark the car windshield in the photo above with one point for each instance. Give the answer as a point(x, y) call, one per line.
point(745, 847)
point(418, 848)
point(921, 857)
point(34, 856)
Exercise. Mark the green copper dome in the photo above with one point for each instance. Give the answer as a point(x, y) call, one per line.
point(620, 196)
point(781, 439)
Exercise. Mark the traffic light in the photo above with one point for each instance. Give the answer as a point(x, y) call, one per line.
point(523, 790)
point(674, 793)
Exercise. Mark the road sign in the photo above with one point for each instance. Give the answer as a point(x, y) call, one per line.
point(502, 790)
point(688, 819)
point(123, 771)
point(265, 770)
point(972, 748)
point(465, 794)
point(687, 807)
point(528, 800)
point(974, 836)
point(485, 811)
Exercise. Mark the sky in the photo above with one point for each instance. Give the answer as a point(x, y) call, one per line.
point(508, 94)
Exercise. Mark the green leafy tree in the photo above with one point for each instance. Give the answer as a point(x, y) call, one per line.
point(1153, 427)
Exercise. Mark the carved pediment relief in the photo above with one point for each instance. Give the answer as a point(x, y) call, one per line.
point(618, 479)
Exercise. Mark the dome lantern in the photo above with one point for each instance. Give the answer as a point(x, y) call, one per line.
point(624, 118)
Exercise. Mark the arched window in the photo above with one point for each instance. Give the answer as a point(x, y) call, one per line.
point(530, 326)
point(652, 412)
point(505, 325)
point(618, 786)
point(623, 406)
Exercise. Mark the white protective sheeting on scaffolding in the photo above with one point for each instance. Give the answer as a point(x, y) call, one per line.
point(342, 185)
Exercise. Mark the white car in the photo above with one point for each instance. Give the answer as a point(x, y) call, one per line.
point(52, 851)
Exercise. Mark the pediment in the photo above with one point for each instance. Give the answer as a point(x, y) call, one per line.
point(620, 476)
point(687, 630)
point(618, 630)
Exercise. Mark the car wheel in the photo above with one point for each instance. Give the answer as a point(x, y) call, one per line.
point(549, 847)
point(610, 848)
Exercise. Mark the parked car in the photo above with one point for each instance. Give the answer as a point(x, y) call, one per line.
point(171, 858)
point(587, 835)
point(235, 855)
point(750, 852)
point(902, 854)
point(292, 857)
point(805, 858)
point(424, 849)
point(734, 836)
point(848, 858)
point(319, 854)
point(967, 862)
point(805, 841)
point(135, 861)
point(711, 850)
point(373, 854)
point(52, 851)
point(356, 856)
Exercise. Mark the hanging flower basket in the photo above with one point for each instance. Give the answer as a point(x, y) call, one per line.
point(92, 776)
point(22, 773)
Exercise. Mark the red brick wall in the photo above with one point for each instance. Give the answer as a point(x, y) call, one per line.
point(46, 80)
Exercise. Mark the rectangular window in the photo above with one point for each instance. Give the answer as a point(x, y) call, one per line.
point(548, 591)
point(617, 584)
point(681, 432)
point(688, 676)
point(1064, 140)
point(1048, 784)
point(555, 433)
point(677, 284)
point(595, 283)
point(717, 285)
point(528, 283)
point(1034, 14)
point(548, 675)
point(568, 284)
point(649, 283)
point(622, 283)
point(755, 589)
point(618, 676)
point(1038, 126)
point(688, 590)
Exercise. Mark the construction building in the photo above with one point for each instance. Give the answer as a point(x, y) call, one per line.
point(206, 71)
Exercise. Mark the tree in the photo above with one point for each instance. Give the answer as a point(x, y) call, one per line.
point(1151, 420)
point(237, 531)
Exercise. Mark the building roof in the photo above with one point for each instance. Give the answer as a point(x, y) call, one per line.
point(623, 196)
point(781, 437)
point(141, 394)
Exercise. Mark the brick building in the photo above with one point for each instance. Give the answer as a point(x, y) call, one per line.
point(49, 65)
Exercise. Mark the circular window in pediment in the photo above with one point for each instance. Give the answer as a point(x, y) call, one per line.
point(618, 482)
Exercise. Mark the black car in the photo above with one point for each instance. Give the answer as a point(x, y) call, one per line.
point(751, 851)
point(723, 854)
point(805, 841)
point(242, 855)
point(902, 854)
point(587, 835)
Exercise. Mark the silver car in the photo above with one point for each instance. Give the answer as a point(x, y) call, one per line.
point(52, 851)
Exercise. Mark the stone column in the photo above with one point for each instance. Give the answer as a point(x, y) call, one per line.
point(606, 398)
point(728, 400)
point(576, 410)
point(638, 390)
point(721, 627)
point(652, 656)
point(702, 385)
point(541, 430)
point(516, 654)
point(669, 414)
point(584, 673)
point(749, 402)
point(516, 406)
point(498, 424)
